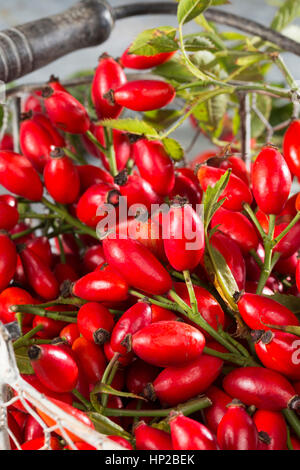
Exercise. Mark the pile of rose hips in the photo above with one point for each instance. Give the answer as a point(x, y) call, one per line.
point(131, 335)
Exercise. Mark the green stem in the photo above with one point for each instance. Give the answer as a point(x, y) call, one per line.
point(167, 305)
point(286, 230)
point(187, 409)
point(241, 361)
point(62, 301)
point(74, 156)
point(108, 376)
point(61, 250)
point(254, 255)
point(267, 267)
point(19, 343)
point(82, 399)
point(254, 219)
point(71, 220)
point(190, 288)
point(111, 156)
point(96, 142)
point(34, 215)
point(29, 231)
point(293, 420)
point(286, 73)
point(41, 312)
point(33, 342)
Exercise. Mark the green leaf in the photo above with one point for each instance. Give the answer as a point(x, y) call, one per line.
point(190, 9)
point(107, 389)
point(289, 11)
point(104, 425)
point(212, 196)
point(173, 149)
point(250, 59)
point(162, 118)
point(174, 70)
point(198, 43)
point(23, 362)
point(132, 126)
point(290, 301)
point(264, 105)
point(155, 41)
point(215, 3)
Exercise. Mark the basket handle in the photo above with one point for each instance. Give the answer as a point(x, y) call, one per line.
point(33, 45)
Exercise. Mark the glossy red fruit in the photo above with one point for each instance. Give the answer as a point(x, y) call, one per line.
point(278, 350)
point(162, 314)
point(61, 178)
point(237, 166)
point(142, 62)
point(167, 344)
point(95, 322)
point(93, 200)
point(8, 260)
point(214, 413)
point(39, 275)
point(144, 95)
point(237, 430)
point(65, 112)
point(236, 192)
point(54, 366)
point(77, 414)
point(138, 191)
point(18, 176)
point(15, 430)
point(148, 438)
point(176, 385)
point(122, 442)
point(36, 143)
point(272, 430)
point(70, 333)
point(233, 256)
point(42, 248)
point(290, 243)
point(258, 312)
point(188, 434)
point(121, 143)
point(51, 328)
point(40, 443)
point(263, 388)
point(236, 226)
point(208, 306)
point(65, 272)
point(33, 103)
point(93, 258)
point(104, 285)
point(55, 84)
point(137, 265)
point(43, 121)
point(183, 234)
point(109, 76)
point(132, 321)
point(271, 171)
point(14, 296)
point(154, 165)
point(287, 266)
point(90, 175)
point(186, 188)
point(139, 374)
point(9, 216)
point(33, 429)
point(7, 142)
point(90, 359)
point(291, 147)
point(110, 353)
point(298, 275)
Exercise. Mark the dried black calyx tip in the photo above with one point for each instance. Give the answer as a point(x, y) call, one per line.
point(294, 403)
point(34, 353)
point(149, 392)
point(110, 97)
point(113, 197)
point(256, 335)
point(105, 55)
point(53, 78)
point(133, 138)
point(26, 116)
point(20, 247)
point(235, 402)
point(57, 341)
point(145, 301)
point(127, 343)
point(237, 296)
point(264, 437)
point(101, 336)
point(267, 337)
point(47, 92)
point(179, 201)
point(66, 288)
point(57, 152)
point(122, 178)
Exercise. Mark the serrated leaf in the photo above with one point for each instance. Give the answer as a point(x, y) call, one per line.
point(288, 11)
point(173, 149)
point(198, 43)
point(290, 301)
point(132, 126)
point(264, 105)
point(107, 389)
point(23, 362)
point(154, 41)
point(174, 70)
point(212, 196)
point(106, 426)
point(190, 9)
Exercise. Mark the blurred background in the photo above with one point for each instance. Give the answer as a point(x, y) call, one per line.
point(13, 12)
